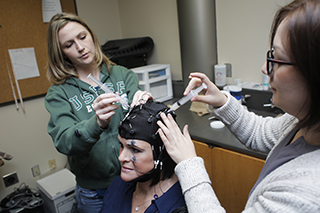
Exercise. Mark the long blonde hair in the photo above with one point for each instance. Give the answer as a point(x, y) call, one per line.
point(59, 67)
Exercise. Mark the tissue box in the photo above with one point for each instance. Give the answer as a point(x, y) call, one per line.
point(58, 191)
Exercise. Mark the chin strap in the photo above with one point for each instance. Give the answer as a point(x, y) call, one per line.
point(147, 176)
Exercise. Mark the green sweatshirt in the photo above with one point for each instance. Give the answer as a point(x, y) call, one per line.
point(92, 151)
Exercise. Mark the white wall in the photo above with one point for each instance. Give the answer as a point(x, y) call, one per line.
point(24, 135)
point(102, 16)
point(243, 33)
point(159, 20)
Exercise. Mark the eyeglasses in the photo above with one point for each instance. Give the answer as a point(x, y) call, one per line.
point(271, 61)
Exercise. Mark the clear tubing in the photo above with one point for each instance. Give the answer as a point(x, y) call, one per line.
point(186, 98)
point(123, 102)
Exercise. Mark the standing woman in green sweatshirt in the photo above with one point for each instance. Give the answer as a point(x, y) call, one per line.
point(83, 119)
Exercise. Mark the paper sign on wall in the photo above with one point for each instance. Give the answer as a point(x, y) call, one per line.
point(49, 9)
point(24, 63)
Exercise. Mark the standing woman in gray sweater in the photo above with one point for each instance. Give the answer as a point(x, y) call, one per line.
point(290, 178)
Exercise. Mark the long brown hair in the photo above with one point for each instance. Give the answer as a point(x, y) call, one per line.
point(59, 67)
point(303, 34)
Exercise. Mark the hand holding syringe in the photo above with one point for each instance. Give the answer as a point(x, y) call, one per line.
point(124, 103)
point(186, 98)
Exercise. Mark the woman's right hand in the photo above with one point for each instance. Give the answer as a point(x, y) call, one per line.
point(104, 107)
point(213, 95)
point(178, 145)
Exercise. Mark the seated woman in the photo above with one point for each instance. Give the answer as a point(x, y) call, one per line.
point(147, 182)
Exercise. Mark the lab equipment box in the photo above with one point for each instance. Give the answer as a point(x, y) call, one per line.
point(58, 191)
point(156, 79)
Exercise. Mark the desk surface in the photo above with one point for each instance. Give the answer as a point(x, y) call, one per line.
point(200, 130)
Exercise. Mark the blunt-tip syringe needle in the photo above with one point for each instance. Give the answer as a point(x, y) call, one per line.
point(123, 102)
point(186, 98)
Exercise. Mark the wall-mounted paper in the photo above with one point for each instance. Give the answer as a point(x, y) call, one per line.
point(49, 9)
point(24, 63)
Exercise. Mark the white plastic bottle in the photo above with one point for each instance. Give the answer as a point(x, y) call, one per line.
point(220, 74)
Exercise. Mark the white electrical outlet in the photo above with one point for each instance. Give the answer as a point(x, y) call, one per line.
point(52, 164)
point(35, 170)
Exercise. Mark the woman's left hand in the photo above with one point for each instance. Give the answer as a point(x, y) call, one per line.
point(179, 146)
point(140, 96)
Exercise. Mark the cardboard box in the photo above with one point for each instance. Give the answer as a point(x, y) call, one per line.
point(58, 191)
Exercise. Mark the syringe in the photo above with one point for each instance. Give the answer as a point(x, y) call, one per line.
point(123, 102)
point(186, 98)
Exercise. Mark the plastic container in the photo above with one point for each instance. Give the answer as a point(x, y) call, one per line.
point(265, 85)
point(220, 75)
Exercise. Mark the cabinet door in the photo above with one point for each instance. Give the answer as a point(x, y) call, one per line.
point(233, 176)
point(204, 151)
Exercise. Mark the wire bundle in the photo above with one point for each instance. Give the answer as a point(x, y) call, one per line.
point(22, 197)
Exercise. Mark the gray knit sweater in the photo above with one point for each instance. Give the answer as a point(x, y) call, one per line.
point(293, 187)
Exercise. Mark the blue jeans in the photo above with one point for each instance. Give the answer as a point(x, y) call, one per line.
point(89, 200)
